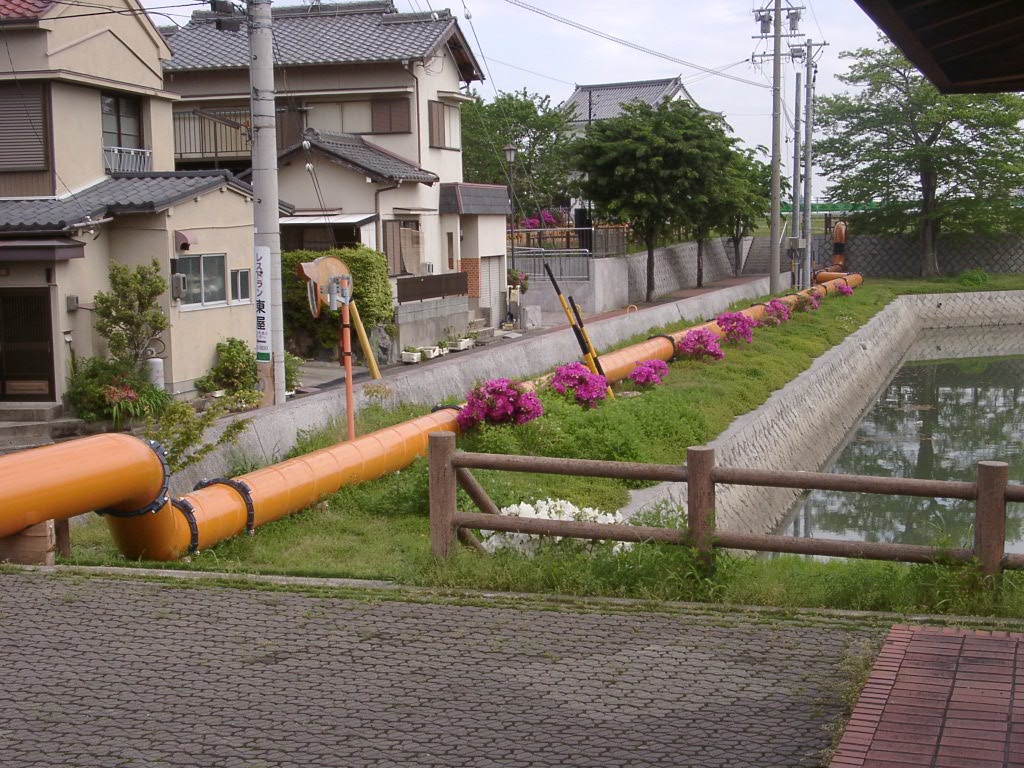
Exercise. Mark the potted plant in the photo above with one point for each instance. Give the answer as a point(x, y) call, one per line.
point(411, 355)
point(461, 343)
point(429, 353)
point(442, 347)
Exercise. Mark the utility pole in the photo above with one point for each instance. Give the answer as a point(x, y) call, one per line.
point(269, 341)
point(812, 73)
point(770, 20)
point(795, 212)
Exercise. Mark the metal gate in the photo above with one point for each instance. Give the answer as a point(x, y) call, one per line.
point(26, 345)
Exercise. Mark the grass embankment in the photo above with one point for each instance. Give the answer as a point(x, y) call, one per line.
point(379, 530)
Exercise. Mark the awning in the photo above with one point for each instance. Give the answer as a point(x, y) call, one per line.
point(312, 219)
point(43, 249)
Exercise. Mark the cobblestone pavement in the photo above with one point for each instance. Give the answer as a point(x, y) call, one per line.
point(108, 672)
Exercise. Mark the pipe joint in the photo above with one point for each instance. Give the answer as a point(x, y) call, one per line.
point(672, 341)
point(160, 500)
point(189, 512)
point(243, 490)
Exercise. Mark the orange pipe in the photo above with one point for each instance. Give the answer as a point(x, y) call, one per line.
point(112, 471)
point(124, 474)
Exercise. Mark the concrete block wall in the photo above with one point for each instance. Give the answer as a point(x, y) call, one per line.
point(422, 323)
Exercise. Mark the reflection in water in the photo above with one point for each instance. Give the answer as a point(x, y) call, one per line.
point(933, 421)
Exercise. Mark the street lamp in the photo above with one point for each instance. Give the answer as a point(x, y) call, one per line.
point(510, 158)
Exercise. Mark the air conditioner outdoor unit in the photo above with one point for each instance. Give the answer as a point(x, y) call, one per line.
point(72, 302)
point(427, 269)
point(178, 285)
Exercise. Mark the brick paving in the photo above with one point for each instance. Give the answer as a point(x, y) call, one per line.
point(109, 672)
point(940, 697)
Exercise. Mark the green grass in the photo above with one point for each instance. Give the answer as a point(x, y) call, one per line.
point(379, 529)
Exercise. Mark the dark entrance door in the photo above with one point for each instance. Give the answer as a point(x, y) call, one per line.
point(26, 345)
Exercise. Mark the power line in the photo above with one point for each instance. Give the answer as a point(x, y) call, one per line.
point(628, 44)
point(530, 71)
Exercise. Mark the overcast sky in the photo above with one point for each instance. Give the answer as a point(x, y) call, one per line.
point(520, 48)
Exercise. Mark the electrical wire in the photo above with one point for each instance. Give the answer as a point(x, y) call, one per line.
point(628, 44)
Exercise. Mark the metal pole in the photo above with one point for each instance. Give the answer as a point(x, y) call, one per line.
point(264, 184)
point(794, 213)
point(808, 159)
point(774, 280)
point(512, 219)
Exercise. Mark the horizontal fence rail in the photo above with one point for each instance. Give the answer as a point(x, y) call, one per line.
point(420, 287)
point(449, 469)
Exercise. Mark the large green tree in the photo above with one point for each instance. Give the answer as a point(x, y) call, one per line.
point(656, 168)
point(925, 162)
point(541, 173)
point(750, 195)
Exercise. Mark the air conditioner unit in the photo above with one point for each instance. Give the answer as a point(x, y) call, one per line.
point(426, 269)
point(178, 282)
point(72, 302)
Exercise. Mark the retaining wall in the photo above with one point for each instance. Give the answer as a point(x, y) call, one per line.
point(802, 425)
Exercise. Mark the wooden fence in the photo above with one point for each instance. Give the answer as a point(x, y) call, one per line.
point(449, 469)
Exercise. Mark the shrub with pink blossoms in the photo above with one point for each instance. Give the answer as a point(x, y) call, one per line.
point(575, 379)
point(844, 289)
point(649, 373)
point(776, 312)
point(499, 401)
point(736, 326)
point(700, 343)
point(806, 302)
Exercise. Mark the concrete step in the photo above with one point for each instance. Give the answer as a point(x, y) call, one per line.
point(24, 433)
point(23, 412)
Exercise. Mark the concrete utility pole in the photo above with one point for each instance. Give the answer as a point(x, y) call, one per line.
point(270, 362)
point(795, 214)
point(808, 157)
point(774, 280)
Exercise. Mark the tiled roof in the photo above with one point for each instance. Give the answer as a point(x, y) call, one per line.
point(355, 153)
point(600, 102)
point(474, 199)
point(120, 194)
point(13, 10)
point(342, 33)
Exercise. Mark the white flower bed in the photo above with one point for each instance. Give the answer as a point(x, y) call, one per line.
point(550, 509)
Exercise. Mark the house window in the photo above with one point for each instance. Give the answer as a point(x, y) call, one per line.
point(205, 280)
point(390, 116)
point(444, 125)
point(122, 121)
point(240, 285)
point(24, 133)
point(402, 245)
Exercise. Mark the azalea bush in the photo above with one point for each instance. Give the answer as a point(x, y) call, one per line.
point(736, 326)
point(576, 380)
point(552, 509)
point(700, 343)
point(807, 302)
point(517, 279)
point(844, 290)
point(776, 312)
point(649, 373)
point(499, 401)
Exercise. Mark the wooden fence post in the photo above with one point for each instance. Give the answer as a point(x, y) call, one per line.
point(442, 492)
point(990, 516)
point(700, 499)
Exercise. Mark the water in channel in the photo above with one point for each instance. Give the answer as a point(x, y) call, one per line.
point(935, 420)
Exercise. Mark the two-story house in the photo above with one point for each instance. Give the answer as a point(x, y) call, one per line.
point(369, 137)
point(87, 179)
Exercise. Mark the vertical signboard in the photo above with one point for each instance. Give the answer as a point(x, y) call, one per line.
point(262, 268)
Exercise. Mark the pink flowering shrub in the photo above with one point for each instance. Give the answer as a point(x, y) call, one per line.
point(776, 312)
point(588, 388)
point(844, 290)
point(700, 343)
point(649, 373)
point(806, 302)
point(736, 326)
point(499, 401)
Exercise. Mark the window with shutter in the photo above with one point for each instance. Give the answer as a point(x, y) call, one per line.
point(444, 126)
point(390, 116)
point(24, 128)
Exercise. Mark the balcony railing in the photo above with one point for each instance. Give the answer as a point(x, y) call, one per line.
point(209, 134)
point(127, 160)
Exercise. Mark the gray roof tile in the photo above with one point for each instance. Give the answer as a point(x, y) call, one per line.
point(342, 33)
point(357, 154)
point(474, 199)
point(600, 102)
point(119, 194)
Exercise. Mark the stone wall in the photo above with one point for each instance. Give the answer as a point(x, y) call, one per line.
point(900, 256)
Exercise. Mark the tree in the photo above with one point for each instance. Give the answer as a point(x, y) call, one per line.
point(128, 316)
point(915, 160)
point(653, 168)
point(751, 196)
point(542, 172)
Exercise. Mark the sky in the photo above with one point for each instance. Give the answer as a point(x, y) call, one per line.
point(520, 48)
